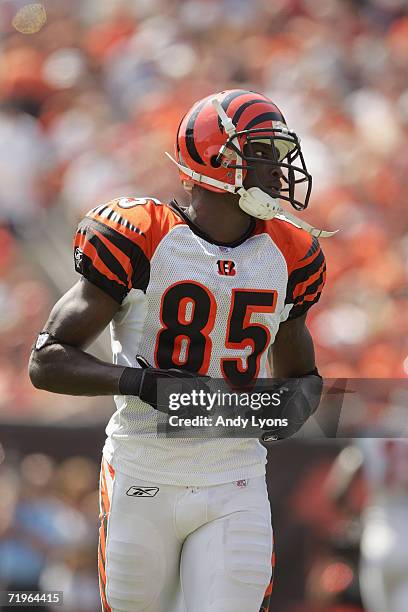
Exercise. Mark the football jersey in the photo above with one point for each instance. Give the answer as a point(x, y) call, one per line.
point(189, 302)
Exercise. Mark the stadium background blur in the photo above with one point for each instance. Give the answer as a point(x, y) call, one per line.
point(88, 105)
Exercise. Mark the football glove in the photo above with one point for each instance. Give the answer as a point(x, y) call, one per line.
point(143, 382)
point(300, 398)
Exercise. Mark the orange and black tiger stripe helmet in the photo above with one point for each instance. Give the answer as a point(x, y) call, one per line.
point(213, 144)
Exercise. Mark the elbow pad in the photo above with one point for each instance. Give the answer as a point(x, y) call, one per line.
point(300, 398)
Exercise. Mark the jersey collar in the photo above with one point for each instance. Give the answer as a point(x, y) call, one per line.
point(174, 205)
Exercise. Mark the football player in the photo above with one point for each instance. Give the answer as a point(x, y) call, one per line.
point(207, 290)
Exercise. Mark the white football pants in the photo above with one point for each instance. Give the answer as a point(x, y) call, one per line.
point(183, 549)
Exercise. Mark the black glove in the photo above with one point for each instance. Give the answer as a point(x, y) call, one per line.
point(143, 383)
point(300, 398)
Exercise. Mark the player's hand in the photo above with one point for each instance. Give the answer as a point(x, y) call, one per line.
point(300, 398)
point(144, 382)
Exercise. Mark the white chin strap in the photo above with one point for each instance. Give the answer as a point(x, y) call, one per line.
point(253, 201)
point(259, 204)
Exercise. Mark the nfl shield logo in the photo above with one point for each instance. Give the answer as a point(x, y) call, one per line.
point(242, 483)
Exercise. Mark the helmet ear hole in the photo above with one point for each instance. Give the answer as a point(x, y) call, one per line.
point(215, 162)
point(188, 185)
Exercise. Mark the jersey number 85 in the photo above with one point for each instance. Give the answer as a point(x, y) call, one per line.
point(188, 312)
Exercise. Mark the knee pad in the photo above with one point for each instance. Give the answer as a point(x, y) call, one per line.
point(248, 549)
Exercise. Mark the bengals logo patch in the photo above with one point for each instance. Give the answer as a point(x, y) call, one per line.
point(226, 267)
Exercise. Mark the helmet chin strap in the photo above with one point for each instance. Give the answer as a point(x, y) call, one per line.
point(319, 233)
point(259, 204)
point(254, 201)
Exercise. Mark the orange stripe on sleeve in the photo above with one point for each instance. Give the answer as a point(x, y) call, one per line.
point(310, 298)
point(301, 287)
point(90, 251)
point(118, 254)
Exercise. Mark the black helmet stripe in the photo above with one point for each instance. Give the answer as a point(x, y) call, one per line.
point(231, 96)
point(227, 101)
point(264, 117)
point(244, 106)
point(190, 144)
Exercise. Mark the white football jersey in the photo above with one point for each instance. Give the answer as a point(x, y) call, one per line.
point(192, 303)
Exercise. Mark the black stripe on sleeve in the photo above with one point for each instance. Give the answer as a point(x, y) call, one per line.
point(311, 289)
point(109, 259)
point(115, 290)
point(301, 309)
point(119, 240)
point(300, 275)
point(140, 263)
point(141, 272)
point(314, 247)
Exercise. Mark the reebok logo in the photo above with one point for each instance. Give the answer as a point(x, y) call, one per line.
point(142, 491)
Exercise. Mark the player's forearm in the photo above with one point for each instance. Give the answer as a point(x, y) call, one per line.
point(69, 370)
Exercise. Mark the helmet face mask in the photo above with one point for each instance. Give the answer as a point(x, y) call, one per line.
point(285, 160)
point(216, 148)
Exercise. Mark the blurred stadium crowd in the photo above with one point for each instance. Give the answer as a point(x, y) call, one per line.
point(48, 539)
point(90, 103)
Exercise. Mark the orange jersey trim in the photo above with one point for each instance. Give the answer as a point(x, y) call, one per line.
point(145, 224)
point(293, 242)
